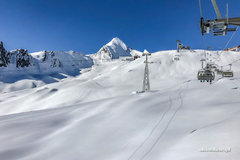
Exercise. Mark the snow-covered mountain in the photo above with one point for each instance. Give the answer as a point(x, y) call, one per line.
point(112, 50)
point(20, 67)
point(115, 49)
point(47, 62)
point(61, 61)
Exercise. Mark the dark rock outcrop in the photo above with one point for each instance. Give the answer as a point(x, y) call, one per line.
point(23, 59)
point(4, 56)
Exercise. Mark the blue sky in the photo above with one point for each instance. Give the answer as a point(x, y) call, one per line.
point(86, 25)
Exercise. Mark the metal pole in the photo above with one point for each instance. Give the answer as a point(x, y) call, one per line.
point(202, 63)
point(178, 45)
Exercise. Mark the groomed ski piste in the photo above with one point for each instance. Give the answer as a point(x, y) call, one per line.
point(99, 114)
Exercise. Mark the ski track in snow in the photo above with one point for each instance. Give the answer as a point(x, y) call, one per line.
point(159, 129)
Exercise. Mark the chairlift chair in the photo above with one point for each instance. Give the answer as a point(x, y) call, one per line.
point(227, 73)
point(176, 57)
point(206, 75)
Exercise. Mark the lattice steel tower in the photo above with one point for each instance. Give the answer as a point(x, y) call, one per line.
point(146, 83)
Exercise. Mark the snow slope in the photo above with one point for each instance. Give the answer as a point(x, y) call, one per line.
point(97, 115)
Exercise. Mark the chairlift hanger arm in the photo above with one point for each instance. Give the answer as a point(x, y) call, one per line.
point(230, 21)
point(219, 26)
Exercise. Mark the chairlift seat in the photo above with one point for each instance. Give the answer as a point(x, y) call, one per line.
point(206, 75)
point(227, 73)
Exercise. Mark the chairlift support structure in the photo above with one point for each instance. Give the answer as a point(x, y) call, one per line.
point(219, 26)
point(202, 60)
point(146, 80)
point(178, 41)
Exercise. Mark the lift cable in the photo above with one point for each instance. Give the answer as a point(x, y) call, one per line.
point(231, 38)
point(225, 47)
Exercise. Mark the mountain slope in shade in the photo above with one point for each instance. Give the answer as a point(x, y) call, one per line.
point(22, 70)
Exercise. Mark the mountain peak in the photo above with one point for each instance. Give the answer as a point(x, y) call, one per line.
point(145, 51)
point(113, 50)
point(116, 41)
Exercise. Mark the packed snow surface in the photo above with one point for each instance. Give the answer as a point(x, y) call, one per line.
point(99, 115)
